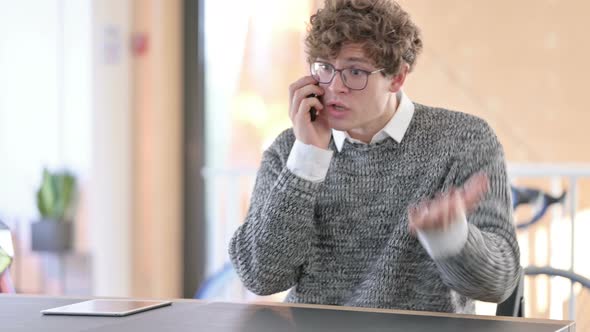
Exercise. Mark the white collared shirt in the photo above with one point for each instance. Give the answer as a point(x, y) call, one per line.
point(312, 163)
point(396, 127)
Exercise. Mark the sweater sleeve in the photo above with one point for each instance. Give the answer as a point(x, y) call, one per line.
point(488, 266)
point(274, 242)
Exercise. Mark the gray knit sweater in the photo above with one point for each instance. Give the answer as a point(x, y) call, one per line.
point(345, 241)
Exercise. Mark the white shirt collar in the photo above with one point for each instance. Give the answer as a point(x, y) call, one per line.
point(396, 127)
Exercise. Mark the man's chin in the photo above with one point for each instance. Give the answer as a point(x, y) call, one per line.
point(340, 125)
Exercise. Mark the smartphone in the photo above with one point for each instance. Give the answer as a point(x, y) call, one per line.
point(312, 111)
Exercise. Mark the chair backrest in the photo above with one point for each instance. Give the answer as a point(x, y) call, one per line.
point(553, 272)
point(513, 306)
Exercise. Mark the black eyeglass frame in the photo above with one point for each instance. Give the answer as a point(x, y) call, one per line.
point(366, 72)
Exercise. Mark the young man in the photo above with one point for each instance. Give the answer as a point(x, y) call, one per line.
point(379, 202)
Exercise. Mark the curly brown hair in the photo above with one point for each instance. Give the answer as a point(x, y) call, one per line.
point(385, 30)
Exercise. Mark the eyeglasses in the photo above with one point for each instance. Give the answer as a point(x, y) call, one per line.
point(354, 79)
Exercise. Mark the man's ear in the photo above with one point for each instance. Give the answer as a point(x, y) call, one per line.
point(400, 78)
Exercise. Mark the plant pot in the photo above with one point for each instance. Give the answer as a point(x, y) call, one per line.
point(50, 235)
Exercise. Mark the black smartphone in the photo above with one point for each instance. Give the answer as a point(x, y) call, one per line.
point(312, 111)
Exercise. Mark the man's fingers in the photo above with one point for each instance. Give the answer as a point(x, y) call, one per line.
point(301, 94)
point(305, 107)
point(433, 218)
point(456, 208)
point(474, 190)
point(457, 204)
point(305, 80)
point(437, 213)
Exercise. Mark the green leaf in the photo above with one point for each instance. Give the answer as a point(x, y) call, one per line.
point(47, 195)
point(56, 195)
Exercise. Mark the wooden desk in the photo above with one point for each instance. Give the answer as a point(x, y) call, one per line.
point(22, 313)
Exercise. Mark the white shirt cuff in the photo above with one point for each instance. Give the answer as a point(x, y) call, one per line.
point(309, 162)
point(445, 243)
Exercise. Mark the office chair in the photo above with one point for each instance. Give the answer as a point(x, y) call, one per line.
point(540, 200)
point(513, 306)
point(553, 272)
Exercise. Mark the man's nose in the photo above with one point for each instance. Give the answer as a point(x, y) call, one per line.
point(337, 84)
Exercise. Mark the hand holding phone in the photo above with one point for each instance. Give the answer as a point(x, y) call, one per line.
point(310, 126)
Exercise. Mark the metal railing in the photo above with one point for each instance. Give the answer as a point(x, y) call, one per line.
point(573, 173)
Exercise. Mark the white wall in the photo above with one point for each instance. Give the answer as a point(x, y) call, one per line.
point(45, 110)
point(45, 96)
point(65, 102)
point(29, 104)
point(110, 211)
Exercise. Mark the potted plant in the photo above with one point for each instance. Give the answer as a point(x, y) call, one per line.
point(56, 198)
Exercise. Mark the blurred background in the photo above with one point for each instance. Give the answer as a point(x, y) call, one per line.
point(150, 118)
